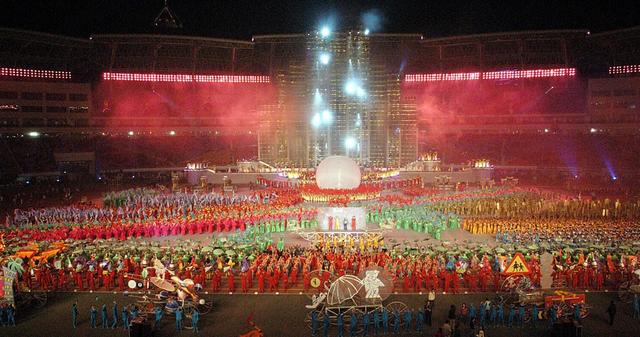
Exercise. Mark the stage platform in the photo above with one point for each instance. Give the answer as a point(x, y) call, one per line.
point(468, 176)
point(317, 234)
point(342, 219)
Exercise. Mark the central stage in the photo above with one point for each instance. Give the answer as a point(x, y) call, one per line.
point(341, 223)
point(342, 219)
point(314, 235)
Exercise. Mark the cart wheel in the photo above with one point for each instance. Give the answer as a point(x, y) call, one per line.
point(584, 311)
point(499, 299)
point(396, 305)
point(347, 320)
point(509, 284)
point(319, 318)
point(506, 298)
point(524, 285)
point(565, 310)
point(624, 292)
point(527, 315)
point(187, 309)
point(544, 314)
point(205, 308)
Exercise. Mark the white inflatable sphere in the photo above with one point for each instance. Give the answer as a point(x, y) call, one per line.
point(338, 172)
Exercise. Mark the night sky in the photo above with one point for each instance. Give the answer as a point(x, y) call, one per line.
point(241, 19)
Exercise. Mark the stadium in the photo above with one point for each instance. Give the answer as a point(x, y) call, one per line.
point(465, 97)
point(290, 159)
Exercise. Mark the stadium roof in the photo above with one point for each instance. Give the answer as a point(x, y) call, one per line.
point(559, 32)
point(62, 40)
point(136, 38)
point(635, 29)
point(42, 37)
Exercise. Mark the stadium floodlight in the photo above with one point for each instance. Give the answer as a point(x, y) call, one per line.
point(172, 133)
point(33, 134)
point(325, 31)
point(327, 117)
point(354, 88)
point(130, 133)
point(350, 143)
point(317, 98)
point(316, 121)
point(325, 58)
point(366, 31)
point(351, 87)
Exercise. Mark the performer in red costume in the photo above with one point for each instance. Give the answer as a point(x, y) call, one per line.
point(230, 281)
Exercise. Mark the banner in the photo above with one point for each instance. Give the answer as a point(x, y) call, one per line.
point(9, 276)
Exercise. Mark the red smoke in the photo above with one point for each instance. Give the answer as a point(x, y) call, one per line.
point(442, 103)
point(489, 97)
point(171, 103)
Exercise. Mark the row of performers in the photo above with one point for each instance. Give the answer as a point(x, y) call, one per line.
point(277, 272)
point(334, 224)
point(122, 231)
point(267, 279)
point(364, 243)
